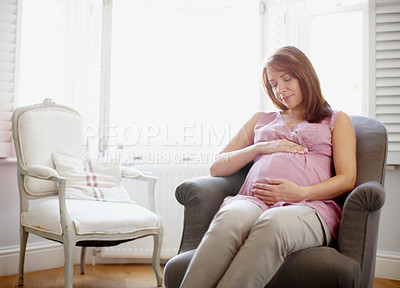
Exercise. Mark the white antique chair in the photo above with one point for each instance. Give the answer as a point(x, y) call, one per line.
point(47, 132)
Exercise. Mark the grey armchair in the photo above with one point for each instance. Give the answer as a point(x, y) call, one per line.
point(349, 262)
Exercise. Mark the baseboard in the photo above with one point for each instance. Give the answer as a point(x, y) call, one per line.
point(387, 265)
point(48, 255)
point(39, 256)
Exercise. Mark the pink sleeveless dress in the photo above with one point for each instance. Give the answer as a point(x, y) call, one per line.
point(303, 169)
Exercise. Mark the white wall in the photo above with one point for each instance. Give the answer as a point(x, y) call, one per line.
point(388, 258)
point(42, 254)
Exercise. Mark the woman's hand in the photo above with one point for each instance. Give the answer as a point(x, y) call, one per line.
point(280, 145)
point(277, 190)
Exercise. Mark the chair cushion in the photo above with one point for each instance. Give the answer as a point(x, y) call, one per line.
point(90, 217)
point(91, 179)
point(317, 267)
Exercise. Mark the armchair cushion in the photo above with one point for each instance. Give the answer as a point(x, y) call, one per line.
point(115, 218)
point(317, 267)
point(91, 180)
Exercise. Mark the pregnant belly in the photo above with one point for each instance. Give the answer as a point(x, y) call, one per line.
point(306, 169)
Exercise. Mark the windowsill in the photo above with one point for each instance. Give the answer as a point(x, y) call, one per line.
point(8, 160)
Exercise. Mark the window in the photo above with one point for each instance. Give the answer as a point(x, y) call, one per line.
point(173, 78)
point(42, 53)
point(357, 76)
point(184, 75)
point(60, 56)
point(178, 68)
point(336, 50)
point(333, 35)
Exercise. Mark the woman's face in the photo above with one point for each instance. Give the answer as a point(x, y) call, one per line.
point(286, 89)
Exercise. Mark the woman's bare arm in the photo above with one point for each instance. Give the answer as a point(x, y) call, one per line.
point(241, 150)
point(238, 152)
point(344, 159)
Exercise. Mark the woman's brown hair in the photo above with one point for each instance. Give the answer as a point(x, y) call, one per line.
point(293, 61)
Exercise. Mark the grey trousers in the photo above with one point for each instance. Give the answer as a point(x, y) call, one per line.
point(244, 246)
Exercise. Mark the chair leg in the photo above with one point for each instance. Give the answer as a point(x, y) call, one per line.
point(22, 249)
point(68, 262)
point(156, 259)
point(83, 257)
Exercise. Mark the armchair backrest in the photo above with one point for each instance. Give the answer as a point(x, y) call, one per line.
point(39, 131)
point(372, 144)
point(371, 151)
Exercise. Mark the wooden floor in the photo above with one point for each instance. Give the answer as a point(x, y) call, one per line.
point(110, 276)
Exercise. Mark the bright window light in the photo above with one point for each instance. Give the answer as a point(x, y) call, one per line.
point(336, 52)
point(183, 76)
point(42, 52)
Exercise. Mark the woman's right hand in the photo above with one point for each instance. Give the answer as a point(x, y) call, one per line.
point(280, 145)
point(241, 150)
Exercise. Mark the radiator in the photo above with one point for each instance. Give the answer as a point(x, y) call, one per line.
point(169, 176)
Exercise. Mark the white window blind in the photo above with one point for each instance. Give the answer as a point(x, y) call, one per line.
point(385, 70)
point(8, 66)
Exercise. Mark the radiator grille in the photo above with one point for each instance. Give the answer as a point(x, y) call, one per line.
point(169, 176)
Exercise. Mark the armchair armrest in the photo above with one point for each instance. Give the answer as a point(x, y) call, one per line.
point(202, 198)
point(130, 172)
point(133, 173)
point(359, 226)
point(149, 178)
point(47, 173)
point(42, 172)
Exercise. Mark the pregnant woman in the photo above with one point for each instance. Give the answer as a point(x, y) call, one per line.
point(304, 156)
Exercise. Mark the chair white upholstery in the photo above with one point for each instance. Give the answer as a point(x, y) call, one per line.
point(115, 218)
point(38, 132)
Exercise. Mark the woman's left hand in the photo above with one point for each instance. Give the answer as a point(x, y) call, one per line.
point(277, 190)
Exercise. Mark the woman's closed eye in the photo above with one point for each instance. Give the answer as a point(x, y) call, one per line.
point(285, 78)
